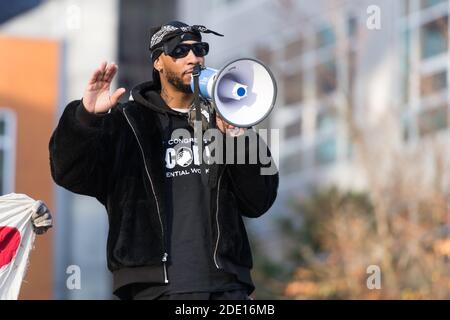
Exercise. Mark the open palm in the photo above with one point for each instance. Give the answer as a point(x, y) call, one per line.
point(97, 98)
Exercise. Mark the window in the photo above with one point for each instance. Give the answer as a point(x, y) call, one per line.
point(326, 122)
point(434, 37)
point(429, 3)
point(352, 26)
point(326, 147)
point(222, 3)
point(325, 37)
point(406, 128)
point(291, 164)
point(293, 49)
point(326, 76)
point(406, 7)
point(293, 130)
point(293, 92)
point(7, 150)
point(433, 120)
point(326, 151)
point(405, 65)
point(434, 83)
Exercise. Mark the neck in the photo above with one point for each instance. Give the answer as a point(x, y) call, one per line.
point(175, 98)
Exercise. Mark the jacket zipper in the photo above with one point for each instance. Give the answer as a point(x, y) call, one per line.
point(165, 255)
point(217, 221)
point(164, 260)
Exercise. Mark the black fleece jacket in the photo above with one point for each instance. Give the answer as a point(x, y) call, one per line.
point(118, 158)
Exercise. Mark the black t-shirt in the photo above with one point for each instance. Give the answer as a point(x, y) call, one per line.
point(190, 265)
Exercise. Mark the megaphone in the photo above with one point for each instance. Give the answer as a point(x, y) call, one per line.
point(243, 92)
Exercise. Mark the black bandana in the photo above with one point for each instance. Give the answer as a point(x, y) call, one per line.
point(166, 37)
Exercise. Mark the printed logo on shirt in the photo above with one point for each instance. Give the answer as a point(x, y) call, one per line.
point(182, 157)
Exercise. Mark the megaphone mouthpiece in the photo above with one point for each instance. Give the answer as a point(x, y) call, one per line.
point(232, 90)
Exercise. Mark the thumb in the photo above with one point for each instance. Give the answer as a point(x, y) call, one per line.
point(117, 94)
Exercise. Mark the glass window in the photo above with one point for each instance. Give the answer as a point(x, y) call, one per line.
point(293, 92)
point(429, 3)
point(2, 126)
point(291, 163)
point(222, 3)
point(293, 49)
point(434, 37)
point(405, 65)
point(352, 26)
point(325, 37)
point(434, 83)
point(326, 122)
point(406, 130)
point(293, 130)
point(2, 172)
point(430, 121)
point(326, 151)
point(326, 78)
point(7, 149)
point(406, 7)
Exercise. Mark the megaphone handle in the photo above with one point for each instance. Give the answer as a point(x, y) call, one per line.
point(195, 75)
point(212, 118)
point(198, 117)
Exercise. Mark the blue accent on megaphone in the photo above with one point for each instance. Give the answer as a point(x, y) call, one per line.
point(241, 92)
point(203, 80)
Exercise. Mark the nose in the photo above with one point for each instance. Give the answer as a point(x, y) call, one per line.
point(192, 58)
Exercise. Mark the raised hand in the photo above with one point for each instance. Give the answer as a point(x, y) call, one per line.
point(97, 98)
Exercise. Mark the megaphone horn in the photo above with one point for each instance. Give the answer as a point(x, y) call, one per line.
point(243, 92)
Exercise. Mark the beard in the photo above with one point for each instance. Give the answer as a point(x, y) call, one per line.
point(176, 81)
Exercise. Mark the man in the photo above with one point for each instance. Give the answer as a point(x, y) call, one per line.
point(173, 234)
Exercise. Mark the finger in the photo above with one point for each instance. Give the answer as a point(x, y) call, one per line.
point(110, 73)
point(43, 221)
point(97, 73)
point(41, 230)
point(101, 70)
point(41, 218)
point(38, 207)
point(235, 131)
point(117, 94)
point(107, 70)
point(103, 66)
point(220, 124)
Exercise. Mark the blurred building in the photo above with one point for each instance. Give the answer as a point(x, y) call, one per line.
point(135, 20)
point(47, 62)
point(48, 51)
point(327, 56)
point(28, 102)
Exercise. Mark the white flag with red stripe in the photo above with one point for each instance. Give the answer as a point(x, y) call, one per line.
point(16, 241)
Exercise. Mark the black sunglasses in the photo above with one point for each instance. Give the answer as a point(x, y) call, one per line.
point(200, 49)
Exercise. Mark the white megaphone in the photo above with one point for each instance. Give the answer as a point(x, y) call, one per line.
point(243, 92)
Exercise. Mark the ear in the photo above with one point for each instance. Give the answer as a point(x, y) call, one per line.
point(158, 64)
